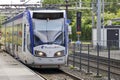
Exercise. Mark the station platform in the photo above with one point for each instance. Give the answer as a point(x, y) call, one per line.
point(11, 69)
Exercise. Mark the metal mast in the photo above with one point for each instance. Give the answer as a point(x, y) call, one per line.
point(98, 21)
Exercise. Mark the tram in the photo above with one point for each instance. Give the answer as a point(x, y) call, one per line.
point(38, 38)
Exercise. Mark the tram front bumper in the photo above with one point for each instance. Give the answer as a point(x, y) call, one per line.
point(50, 61)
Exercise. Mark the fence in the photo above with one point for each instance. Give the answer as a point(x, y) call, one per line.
point(104, 59)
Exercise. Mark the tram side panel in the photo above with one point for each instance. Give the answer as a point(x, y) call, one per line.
point(26, 56)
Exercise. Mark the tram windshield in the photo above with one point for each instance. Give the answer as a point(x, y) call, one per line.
point(47, 31)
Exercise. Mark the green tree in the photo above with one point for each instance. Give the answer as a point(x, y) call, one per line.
point(112, 10)
point(52, 2)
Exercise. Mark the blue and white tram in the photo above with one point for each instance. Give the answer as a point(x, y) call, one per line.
point(38, 37)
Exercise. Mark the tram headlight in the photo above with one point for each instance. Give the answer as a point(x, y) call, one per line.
point(59, 54)
point(40, 54)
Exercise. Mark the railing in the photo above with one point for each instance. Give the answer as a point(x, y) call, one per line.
point(104, 58)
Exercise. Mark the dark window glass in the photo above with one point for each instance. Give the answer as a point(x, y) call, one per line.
point(24, 37)
point(37, 41)
point(59, 40)
point(47, 15)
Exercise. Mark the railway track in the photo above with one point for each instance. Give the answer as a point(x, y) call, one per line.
point(103, 65)
point(55, 74)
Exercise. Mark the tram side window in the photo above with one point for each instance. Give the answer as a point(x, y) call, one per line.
point(7, 35)
point(10, 34)
point(3, 35)
point(19, 34)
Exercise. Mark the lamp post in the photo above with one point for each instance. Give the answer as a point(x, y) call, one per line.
point(66, 7)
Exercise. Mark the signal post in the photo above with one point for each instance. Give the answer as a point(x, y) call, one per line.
point(78, 32)
point(78, 29)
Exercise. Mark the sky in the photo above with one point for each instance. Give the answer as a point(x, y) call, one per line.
point(17, 1)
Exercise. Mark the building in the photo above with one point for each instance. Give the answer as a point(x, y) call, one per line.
point(110, 35)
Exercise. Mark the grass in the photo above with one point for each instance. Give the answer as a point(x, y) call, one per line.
point(72, 67)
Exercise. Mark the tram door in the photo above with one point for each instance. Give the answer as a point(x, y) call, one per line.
point(113, 38)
